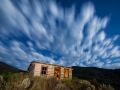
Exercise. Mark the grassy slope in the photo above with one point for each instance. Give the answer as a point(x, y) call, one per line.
point(106, 76)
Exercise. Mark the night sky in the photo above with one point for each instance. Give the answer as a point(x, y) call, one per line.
point(64, 32)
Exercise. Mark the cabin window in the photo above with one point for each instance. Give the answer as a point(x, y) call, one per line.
point(44, 70)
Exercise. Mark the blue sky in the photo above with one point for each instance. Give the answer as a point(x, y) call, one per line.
point(64, 32)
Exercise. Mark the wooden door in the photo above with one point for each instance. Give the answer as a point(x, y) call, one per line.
point(66, 73)
point(57, 73)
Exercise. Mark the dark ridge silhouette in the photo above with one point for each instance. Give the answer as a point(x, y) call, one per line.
point(5, 68)
point(106, 76)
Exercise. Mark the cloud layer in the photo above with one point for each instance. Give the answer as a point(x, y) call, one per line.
point(47, 32)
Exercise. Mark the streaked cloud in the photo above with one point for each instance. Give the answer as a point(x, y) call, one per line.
point(29, 28)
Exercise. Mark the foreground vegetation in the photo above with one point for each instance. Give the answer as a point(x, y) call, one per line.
point(22, 81)
point(84, 78)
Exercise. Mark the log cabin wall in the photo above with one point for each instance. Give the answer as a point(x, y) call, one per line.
point(50, 71)
point(70, 73)
point(62, 73)
point(31, 69)
point(36, 69)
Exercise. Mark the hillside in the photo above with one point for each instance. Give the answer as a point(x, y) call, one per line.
point(5, 68)
point(87, 77)
point(106, 76)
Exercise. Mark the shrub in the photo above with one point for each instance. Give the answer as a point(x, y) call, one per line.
point(16, 81)
point(25, 83)
point(61, 86)
point(88, 88)
point(85, 85)
point(95, 83)
point(105, 87)
point(2, 82)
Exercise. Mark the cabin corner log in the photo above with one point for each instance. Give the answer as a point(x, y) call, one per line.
point(48, 70)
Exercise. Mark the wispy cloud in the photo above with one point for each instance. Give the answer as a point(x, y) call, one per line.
point(28, 27)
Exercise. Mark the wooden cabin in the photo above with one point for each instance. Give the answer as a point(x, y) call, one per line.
point(49, 70)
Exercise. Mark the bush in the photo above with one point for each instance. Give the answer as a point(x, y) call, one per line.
point(25, 83)
point(16, 81)
point(104, 87)
point(2, 82)
point(85, 85)
point(60, 86)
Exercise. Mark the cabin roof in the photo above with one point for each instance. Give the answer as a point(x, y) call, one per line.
point(47, 64)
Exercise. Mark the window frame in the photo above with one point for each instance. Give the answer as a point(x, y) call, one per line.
point(44, 70)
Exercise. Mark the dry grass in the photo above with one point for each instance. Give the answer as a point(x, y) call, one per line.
point(19, 81)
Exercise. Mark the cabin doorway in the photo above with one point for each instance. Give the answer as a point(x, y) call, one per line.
point(57, 73)
point(66, 73)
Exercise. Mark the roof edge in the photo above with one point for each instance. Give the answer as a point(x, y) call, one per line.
point(49, 64)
